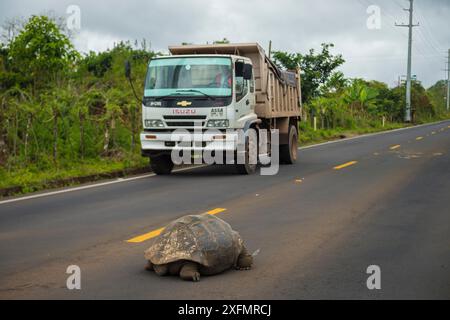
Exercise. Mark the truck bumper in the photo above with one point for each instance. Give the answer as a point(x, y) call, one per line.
point(167, 141)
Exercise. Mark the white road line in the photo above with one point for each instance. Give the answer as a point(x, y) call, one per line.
point(370, 135)
point(119, 180)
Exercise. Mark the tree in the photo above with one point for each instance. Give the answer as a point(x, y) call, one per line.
point(114, 101)
point(360, 97)
point(41, 52)
point(422, 107)
point(438, 94)
point(99, 63)
point(57, 103)
point(316, 68)
point(335, 85)
point(386, 103)
point(285, 60)
point(9, 78)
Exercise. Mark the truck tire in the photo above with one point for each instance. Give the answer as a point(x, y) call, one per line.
point(247, 168)
point(162, 165)
point(288, 152)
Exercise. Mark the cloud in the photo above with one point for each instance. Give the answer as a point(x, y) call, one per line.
point(292, 25)
point(86, 41)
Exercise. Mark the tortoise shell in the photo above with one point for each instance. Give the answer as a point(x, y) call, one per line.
point(204, 239)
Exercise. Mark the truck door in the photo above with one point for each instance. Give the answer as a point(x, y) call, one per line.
point(242, 93)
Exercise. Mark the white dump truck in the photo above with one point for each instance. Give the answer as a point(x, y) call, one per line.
point(225, 87)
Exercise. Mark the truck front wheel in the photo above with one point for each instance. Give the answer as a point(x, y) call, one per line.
point(288, 152)
point(248, 167)
point(162, 164)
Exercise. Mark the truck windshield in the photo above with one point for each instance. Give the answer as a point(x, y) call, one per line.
point(200, 76)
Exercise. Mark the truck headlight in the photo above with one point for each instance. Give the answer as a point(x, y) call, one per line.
point(218, 124)
point(154, 124)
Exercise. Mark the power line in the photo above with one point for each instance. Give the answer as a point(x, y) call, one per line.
point(417, 48)
point(427, 44)
point(429, 31)
point(398, 4)
point(425, 48)
point(389, 16)
point(426, 41)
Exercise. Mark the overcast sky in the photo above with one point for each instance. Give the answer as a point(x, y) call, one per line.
point(292, 25)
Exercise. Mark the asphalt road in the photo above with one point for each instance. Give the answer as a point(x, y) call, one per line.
point(318, 228)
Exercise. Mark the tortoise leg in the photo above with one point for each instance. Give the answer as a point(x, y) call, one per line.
point(189, 272)
point(245, 260)
point(149, 266)
point(175, 267)
point(161, 270)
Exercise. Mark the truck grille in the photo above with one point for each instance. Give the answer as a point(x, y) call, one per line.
point(185, 123)
point(184, 118)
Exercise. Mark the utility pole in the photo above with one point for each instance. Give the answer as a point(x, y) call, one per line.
point(448, 81)
point(410, 26)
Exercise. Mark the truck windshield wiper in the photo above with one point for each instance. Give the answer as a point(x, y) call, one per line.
point(169, 95)
point(197, 91)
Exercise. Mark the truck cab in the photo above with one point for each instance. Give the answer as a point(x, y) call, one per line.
point(202, 92)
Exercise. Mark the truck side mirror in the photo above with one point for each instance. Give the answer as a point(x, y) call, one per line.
point(239, 69)
point(248, 72)
point(128, 75)
point(128, 69)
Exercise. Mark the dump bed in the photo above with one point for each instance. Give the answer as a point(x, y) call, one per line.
point(278, 93)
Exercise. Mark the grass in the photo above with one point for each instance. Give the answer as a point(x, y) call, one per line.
point(32, 178)
point(308, 136)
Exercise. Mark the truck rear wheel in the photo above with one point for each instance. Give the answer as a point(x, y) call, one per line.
point(247, 168)
point(162, 165)
point(288, 152)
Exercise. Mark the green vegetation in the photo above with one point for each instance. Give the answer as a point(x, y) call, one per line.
point(32, 178)
point(65, 115)
point(344, 107)
point(317, 69)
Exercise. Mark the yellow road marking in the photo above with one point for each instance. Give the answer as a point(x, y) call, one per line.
point(146, 236)
point(395, 147)
point(345, 165)
point(216, 211)
point(419, 138)
point(157, 232)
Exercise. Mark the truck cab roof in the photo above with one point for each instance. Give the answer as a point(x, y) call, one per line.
point(235, 49)
point(233, 57)
point(245, 51)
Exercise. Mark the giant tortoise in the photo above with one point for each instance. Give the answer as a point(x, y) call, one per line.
point(197, 245)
